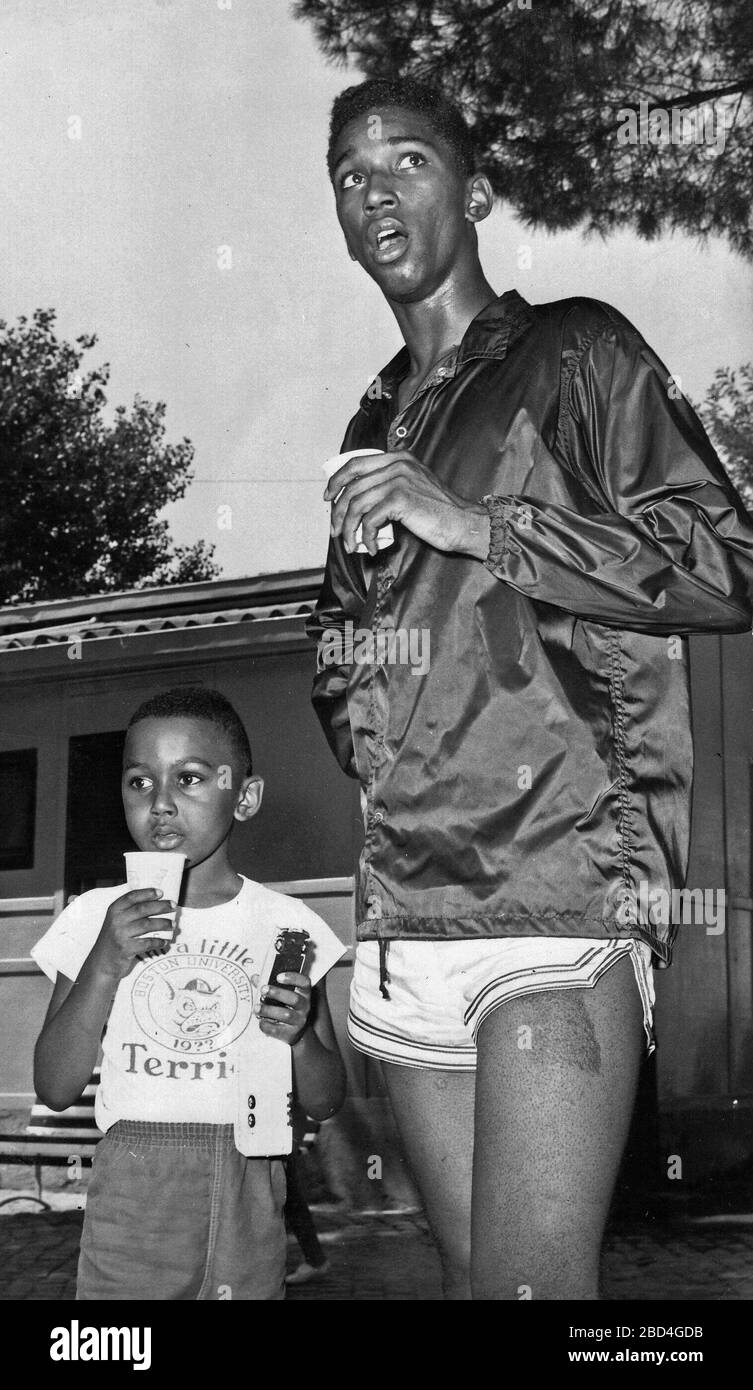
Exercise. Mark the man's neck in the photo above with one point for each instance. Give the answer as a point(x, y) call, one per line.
point(433, 325)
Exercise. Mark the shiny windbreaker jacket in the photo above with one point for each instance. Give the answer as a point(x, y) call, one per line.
point(521, 727)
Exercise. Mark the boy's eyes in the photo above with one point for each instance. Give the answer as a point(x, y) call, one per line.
point(348, 180)
point(185, 779)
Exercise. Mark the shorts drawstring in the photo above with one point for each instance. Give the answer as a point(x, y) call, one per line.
point(384, 976)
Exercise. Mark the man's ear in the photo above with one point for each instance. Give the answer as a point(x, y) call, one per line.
point(249, 800)
point(479, 199)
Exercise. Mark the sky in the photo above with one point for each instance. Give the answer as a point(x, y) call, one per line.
point(164, 184)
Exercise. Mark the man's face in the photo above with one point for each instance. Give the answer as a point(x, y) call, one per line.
point(181, 786)
point(401, 202)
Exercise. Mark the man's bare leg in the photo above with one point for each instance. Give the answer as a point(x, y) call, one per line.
point(434, 1114)
point(555, 1091)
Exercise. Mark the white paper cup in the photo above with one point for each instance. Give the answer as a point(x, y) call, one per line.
point(385, 535)
point(157, 869)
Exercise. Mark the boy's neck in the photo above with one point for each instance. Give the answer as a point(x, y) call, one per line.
point(211, 884)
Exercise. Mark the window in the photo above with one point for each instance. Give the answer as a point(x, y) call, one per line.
point(97, 833)
point(18, 808)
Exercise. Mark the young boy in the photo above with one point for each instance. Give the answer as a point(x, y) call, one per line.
point(174, 1209)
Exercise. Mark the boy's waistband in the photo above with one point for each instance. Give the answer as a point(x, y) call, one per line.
point(160, 1134)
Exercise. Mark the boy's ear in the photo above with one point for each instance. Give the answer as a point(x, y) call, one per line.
point(249, 800)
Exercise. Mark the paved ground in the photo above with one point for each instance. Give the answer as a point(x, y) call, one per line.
point(390, 1257)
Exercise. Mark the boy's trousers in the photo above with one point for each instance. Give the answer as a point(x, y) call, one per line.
point(174, 1211)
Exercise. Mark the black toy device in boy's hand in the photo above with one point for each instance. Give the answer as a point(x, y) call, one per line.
point(289, 948)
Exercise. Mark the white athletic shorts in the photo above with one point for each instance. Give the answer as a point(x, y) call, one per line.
point(441, 992)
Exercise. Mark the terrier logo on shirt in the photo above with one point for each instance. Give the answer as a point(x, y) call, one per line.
point(193, 1003)
point(198, 1013)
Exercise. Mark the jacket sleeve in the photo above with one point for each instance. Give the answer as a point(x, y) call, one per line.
point(340, 602)
point(664, 544)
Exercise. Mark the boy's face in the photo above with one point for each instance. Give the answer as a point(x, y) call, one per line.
point(183, 786)
point(401, 202)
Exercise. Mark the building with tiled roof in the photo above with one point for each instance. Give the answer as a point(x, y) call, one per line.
point(210, 603)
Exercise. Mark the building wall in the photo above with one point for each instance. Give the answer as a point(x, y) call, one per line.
point(705, 1000)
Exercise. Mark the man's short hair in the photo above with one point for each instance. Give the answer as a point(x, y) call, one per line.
point(197, 702)
point(429, 102)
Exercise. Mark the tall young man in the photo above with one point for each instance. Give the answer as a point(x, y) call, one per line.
point(562, 524)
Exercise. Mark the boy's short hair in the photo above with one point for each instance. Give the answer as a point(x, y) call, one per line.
point(447, 118)
point(197, 702)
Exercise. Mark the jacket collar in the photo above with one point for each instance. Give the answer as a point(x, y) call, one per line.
point(490, 334)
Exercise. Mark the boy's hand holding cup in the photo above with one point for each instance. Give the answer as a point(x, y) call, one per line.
point(134, 925)
point(139, 920)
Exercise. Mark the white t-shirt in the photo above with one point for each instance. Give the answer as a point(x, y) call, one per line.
point(177, 1020)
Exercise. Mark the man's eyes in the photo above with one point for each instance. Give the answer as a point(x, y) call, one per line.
point(351, 178)
point(412, 154)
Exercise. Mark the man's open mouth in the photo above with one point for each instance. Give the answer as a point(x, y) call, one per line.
point(388, 243)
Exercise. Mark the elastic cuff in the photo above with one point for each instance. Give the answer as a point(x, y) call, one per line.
point(501, 512)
